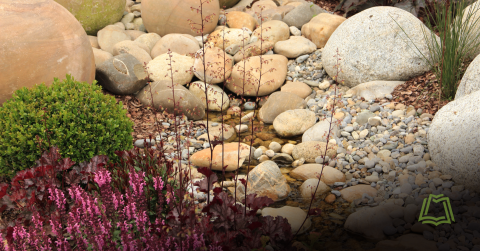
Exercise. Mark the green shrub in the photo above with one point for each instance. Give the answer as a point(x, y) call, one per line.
point(82, 121)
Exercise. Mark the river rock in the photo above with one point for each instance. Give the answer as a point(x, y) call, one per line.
point(302, 14)
point(355, 192)
point(277, 31)
point(374, 89)
point(111, 35)
point(321, 27)
point(219, 65)
point(277, 103)
point(294, 215)
point(225, 37)
point(270, 81)
point(122, 75)
point(138, 50)
point(215, 94)
point(266, 179)
point(294, 47)
point(298, 88)
point(182, 44)
point(414, 242)
point(254, 49)
point(312, 149)
point(148, 39)
point(189, 105)
point(294, 122)
point(216, 132)
point(319, 131)
point(101, 56)
point(230, 157)
point(372, 46)
point(238, 19)
point(330, 175)
point(158, 68)
point(369, 221)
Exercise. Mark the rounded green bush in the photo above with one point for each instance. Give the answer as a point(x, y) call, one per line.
point(82, 121)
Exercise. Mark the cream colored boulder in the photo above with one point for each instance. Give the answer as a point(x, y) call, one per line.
point(453, 140)
point(158, 68)
point(471, 79)
point(111, 35)
point(294, 122)
point(172, 16)
point(225, 37)
point(273, 31)
point(219, 65)
point(40, 40)
point(148, 39)
point(321, 27)
point(138, 50)
point(182, 44)
point(273, 75)
point(298, 88)
point(215, 96)
point(294, 47)
point(230, 156)
point(238, 19)
point(254, 49)
point(163, 99)
point(330, 175)
point(372, 46)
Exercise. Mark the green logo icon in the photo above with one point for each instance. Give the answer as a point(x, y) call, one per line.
point(448, 218)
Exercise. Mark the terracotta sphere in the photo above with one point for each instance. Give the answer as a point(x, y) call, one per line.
point(41, 40)
point(171, 16)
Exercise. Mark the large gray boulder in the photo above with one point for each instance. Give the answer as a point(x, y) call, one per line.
point(471, 79)
point(454, 140)
point(163, 99)
point(121, 75)
point(373, 47)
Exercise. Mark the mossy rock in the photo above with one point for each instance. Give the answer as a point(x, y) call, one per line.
point(95, 14)
point(228, 3)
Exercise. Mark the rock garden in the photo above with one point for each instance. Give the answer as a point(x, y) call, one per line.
point(331, 117)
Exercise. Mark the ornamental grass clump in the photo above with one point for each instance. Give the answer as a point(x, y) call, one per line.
point(459, 41)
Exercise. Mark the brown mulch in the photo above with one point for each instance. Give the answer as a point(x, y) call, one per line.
point(142, 116)
point(420, 92)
